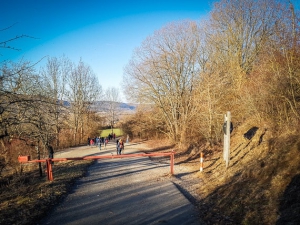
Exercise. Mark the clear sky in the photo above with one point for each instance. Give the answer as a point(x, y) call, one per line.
point(103, 33)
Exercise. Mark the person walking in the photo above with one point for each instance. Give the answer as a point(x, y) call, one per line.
point(97, 140)
point(121, 146)
point(105, 142)
point(118, 147)
point(91, 142)
point(50, 151)
point(100, 144)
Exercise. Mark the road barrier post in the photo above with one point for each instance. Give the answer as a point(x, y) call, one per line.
point(49, 169)
point(201, 162)
point(172, 163)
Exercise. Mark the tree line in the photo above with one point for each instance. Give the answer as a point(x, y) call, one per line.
point(243, 58)
point(52, 106)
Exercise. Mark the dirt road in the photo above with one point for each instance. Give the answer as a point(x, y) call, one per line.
point(123, 191)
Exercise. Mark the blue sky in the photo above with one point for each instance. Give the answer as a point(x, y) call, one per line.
point(103, 33)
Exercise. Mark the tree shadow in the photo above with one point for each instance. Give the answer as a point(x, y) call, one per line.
point(290, 203)
point(250, 133)
point(219, 205)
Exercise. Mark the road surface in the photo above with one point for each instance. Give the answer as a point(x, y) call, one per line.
point(123, 191)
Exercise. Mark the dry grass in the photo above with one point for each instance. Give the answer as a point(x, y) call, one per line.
point(26, 198)
point(251, 190)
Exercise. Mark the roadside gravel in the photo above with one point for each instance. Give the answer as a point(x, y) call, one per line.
point(125, 191)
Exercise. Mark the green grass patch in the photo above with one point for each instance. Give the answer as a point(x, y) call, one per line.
point(106, 132)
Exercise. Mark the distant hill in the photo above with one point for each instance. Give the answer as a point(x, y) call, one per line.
point(127, 106)
point(103, 106)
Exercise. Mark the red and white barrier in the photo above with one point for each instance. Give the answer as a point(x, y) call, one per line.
point(201, 162)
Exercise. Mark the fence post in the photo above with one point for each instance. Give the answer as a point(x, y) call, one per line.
point(225, 140)
point(49, 169)
point(172, 163)
point(201, 162)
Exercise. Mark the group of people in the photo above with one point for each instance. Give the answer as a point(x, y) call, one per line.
point(95, 141)
point(111, 136)
point(99, 141)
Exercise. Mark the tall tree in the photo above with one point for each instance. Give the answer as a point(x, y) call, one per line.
point(83, 90)
point(278, 73)
point(112, 96)
point(238, 31)
point(163, 71)
point(26, 108)
point(54, 77)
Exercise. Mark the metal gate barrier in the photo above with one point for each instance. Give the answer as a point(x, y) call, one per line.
point(26, 159)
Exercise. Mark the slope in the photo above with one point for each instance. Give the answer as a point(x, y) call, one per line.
point(260, 184)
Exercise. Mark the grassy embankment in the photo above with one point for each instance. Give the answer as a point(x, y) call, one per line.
point(260, 184)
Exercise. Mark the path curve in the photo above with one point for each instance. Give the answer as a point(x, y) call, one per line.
point(123, 191)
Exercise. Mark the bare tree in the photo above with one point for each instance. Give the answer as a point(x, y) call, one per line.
point(236, 36)
point(25, 113)
point(54, 77)
point(275, 83)
point(238, 31)
point(164, 71)
point(112, 96)
point(83, 90)
point(6, 44)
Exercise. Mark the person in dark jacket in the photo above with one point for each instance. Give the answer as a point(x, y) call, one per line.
point(50, 151)
point(117, 142)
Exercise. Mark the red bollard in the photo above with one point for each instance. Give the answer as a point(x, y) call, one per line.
point(172, 163)
point(201, 162)
point(49, 169)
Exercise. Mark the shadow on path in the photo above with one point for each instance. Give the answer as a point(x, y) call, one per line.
point(125, 191)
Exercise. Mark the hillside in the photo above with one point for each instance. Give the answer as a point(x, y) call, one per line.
point(104, 106)
point(261, 184)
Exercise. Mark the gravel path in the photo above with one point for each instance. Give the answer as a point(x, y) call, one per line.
point(123, 191)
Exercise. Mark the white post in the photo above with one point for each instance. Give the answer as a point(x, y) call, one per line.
point(226, 150)
point(228, 126)
point(225, 147)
